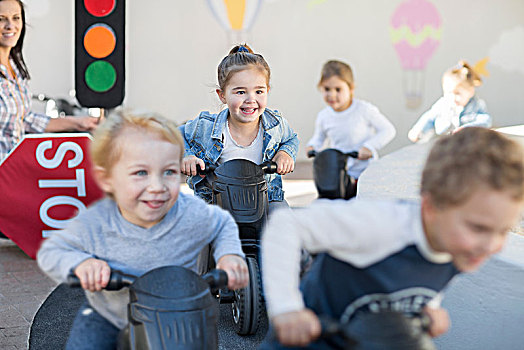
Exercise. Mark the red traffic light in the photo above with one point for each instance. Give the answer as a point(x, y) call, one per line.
point(99, 8)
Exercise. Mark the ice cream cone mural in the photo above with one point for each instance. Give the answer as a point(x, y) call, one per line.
point(236, 16)
point(415, 33)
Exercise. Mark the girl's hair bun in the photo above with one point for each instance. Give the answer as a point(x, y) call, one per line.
point(240, 48)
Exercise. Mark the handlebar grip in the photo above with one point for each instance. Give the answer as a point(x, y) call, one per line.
point(353, 154)
point(209, 169)
point(216, 279)
point(201, 171)
point(329, 327)
point(269, 167)
point(311, 153)
point(425, 321)
point(117, 280)
point(73, 281)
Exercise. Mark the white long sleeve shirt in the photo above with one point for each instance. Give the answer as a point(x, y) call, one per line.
point(361, 125)
point(382, 242)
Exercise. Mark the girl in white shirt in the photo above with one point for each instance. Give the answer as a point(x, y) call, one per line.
point(349, 124)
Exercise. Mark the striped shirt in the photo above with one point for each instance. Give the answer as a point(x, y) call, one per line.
point(16, 117)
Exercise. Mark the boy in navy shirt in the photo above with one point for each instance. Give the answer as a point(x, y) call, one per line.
point(393, 255)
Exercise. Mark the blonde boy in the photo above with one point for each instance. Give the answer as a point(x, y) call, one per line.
point(386, 255)
point(144, 223)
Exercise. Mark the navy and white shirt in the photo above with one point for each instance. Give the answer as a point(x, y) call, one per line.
point(373, 255)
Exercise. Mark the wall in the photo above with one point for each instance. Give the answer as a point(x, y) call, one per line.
point(173, 48)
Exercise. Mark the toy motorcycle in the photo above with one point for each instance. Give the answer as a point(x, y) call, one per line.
point(329, 172)
point(385, 330)
point(239, 187)
point(170, 307)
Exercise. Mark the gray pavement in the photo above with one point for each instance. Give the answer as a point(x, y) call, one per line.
point(23, 287)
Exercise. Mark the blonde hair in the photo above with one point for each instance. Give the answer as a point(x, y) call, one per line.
point(338, 69)
point(106, 147)
point(240, 58)
point(460, 163)
point(464, 74)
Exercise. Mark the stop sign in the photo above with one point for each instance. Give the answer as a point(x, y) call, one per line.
point(44, 182)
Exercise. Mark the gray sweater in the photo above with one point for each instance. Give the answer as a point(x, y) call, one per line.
point(101, 232)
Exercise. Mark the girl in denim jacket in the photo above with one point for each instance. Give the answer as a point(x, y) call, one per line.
point(458, 108)
point(245, 129)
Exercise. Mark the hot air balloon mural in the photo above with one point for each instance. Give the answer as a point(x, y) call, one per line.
point(236, 16)
point(415, 33)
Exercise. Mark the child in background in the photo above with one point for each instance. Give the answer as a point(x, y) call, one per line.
point(144, 223)
point(348, 123)
point(245, 129)
point(458, 108)
point(394, 255)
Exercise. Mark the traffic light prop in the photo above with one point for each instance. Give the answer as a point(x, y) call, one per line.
point(99, 52)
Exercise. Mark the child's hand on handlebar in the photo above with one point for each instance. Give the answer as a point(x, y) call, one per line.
point(297, 328)
point(364, 153)
point(439, 321)
point(189, 165)
point(93, 274)
point(236, 269)
point(285, 163)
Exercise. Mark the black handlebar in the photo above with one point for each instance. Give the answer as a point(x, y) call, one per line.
point(117, 280)
point(352, 154)
point(422, 320)
point(268, 167)
point(313, 153)
point(410, 332)
point(208, 170)
point(331, 327)
point(215, 278)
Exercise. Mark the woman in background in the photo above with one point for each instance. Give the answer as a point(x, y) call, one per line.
point(16, 117)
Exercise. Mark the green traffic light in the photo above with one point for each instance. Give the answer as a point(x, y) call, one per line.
point(100, 76)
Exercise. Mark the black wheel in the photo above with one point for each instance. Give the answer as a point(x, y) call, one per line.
point(248, 304)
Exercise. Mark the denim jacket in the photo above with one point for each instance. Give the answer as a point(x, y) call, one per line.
point(438, 120)
point(203, 139)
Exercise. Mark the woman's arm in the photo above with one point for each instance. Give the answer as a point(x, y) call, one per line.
point(70, 123)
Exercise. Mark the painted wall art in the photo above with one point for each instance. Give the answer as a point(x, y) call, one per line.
point(415, 31)
point(235, 16)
